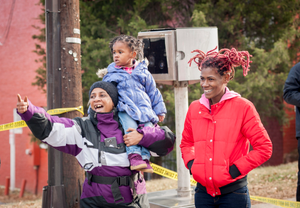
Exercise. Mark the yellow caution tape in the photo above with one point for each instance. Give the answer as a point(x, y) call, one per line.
point(156, 168)
point(168, 173)
point(20, 124)
point(64, 110)
point(173, 175)
point(278, 202)
point(13, 125)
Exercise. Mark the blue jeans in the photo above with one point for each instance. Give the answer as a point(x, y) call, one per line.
point(127, 122)
point(239, 198)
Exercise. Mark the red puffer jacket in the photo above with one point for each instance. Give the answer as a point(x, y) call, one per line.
point(219, 139)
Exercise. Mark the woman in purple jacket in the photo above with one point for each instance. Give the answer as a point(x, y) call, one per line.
point(97, 143)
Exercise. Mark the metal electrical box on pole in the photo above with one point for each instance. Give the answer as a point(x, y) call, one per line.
point(65, 176)
point(168, 52)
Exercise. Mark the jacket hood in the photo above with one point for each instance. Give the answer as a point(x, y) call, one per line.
point(228, 95)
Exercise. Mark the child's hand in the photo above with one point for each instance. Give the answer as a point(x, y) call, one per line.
point(161, 118)
point(22, 105)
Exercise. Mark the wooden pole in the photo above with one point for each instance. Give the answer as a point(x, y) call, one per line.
point(65, 176)
point(71, 92)
point(53, 29)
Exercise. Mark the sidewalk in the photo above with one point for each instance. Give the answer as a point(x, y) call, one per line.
point(264, 206)
point(169, 199)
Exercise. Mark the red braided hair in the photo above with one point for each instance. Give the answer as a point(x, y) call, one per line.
point(225, 60)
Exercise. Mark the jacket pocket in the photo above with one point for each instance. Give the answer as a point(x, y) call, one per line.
point(221, 175)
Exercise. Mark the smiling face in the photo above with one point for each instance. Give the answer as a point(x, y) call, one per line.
point(100, 101)
point(122, 54)
point(213, 84)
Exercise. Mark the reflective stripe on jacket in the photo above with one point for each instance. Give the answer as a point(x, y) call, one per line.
point(84, 139)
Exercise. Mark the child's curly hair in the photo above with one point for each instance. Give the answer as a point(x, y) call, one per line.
point(133, 43)
point(223, 62)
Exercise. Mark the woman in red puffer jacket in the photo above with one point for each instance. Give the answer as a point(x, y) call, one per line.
point(218, 131)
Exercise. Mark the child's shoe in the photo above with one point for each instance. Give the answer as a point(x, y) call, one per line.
point(148, 169)
point(136, 162)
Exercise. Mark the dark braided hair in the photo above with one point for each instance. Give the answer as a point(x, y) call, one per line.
point(133, 43)
point(223, 62)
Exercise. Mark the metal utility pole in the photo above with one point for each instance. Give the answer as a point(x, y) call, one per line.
point(181, 108)
point(65, 177)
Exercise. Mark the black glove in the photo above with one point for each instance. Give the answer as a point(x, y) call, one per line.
point(234, 171)
point(190, 164)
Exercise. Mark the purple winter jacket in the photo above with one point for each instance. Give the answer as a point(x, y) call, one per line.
point(84, 139)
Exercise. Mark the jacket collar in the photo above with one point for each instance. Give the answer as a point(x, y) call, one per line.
point(228, 95)
point(138, 66)
point(96, 117)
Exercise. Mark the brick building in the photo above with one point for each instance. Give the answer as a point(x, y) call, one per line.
point(289, 136)
point(17, 67)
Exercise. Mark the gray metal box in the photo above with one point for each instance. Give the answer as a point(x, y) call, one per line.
point(168, 52)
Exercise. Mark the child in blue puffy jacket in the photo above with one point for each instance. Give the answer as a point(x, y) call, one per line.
point(140, 102)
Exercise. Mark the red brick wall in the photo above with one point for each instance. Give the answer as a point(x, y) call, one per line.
point(275, 132)
point(283, 137)
point(17, 67)
point(289, 131)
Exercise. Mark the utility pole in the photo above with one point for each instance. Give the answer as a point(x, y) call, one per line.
point(65, 176)
point(71, 92)
point(181, 108)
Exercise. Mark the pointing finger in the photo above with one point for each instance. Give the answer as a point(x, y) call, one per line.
point(19, 98)
point(25, 99)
